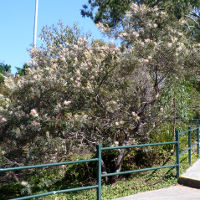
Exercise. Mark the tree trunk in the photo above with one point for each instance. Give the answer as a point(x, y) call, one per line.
point(103, 168)
point(119, 163)
point(120, 157)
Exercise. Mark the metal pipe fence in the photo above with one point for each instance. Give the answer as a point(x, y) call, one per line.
point(98, 159)
point(189, 148)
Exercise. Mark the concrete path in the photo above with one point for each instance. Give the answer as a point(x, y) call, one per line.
point(193, 171)
point(190, 178)
point(177, 192)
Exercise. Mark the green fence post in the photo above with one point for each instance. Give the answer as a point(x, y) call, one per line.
point(177, 155)
point(99, 172)
point(189, 145)
point(198, 140)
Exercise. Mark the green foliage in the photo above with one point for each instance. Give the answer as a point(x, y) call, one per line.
point(11, 190)
point(179, 97)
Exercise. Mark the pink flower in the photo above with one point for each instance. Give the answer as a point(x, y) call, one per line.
point(34, 123)
point(34, 113)
point(3, 119)
point(179, 48)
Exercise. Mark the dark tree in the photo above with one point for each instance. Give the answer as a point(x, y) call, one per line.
point(111, 12)
point(4, 70)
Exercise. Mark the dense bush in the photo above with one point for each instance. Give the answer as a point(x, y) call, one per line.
point(78, 92)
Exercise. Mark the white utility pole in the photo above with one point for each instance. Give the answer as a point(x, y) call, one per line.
point(35, 24)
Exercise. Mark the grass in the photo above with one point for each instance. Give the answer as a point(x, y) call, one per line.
point(140, 182)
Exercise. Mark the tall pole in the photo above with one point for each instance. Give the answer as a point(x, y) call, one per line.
point(35, 24)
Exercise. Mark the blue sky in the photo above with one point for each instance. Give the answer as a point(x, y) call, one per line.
point(17, 21)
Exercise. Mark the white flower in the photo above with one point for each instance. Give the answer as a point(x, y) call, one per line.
point(114, 102)
point(117, 123)
point(136, 34)
point(169, 45)
point(66, 103)
point(3, 152)
point(147, 40)
point(121, 122)
point(99, 25)
point(162, 13)
point(142, 43)
point(78, 72)
point(84, 117)
point(146, 61)
point(155, 25)
point(134, 7)
point(182, 21)
point(180, 34)
point(123, 34)
point(134, 114)
point(174, 40)
point(24, 183)
point(116, 143)
point(156, 8)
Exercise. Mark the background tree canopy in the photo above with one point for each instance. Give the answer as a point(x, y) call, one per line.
point(4, 70)
point(111, 12)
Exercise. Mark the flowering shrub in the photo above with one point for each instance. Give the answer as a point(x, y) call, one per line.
point(81, 92)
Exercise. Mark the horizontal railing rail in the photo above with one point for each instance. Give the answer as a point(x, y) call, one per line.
point(138, 170)
point(183, 132)
point(189, 148)
point(47, 165)
point(52, 165)
point(56, 192)
point(99, 158)
point(138, 145)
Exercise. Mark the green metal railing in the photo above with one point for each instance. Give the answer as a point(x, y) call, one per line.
point(98, 161)
point(190, 146)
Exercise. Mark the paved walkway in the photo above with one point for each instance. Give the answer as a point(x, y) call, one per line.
point(171, 193)
point(190, 178)
point(193, 171)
